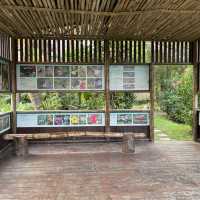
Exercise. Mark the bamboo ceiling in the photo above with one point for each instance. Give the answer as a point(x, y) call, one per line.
point(112, 19)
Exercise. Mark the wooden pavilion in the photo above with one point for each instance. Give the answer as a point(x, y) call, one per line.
point(39, 37)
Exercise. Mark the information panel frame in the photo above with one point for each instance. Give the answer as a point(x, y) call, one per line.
point(60, 77)
point(127, 77)
point(5, 123)
point(60, 119)
point(130, 118)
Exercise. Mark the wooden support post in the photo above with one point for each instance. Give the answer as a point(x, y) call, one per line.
point(151, 81)
point(21, 146)
point(128, 144)
point(13, 84)
point(107, 91)
point(195, 92)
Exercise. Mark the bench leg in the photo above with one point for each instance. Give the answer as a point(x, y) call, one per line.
point(128, 144)
point(21, 146)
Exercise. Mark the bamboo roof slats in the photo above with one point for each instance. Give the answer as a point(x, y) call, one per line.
point(106, 19)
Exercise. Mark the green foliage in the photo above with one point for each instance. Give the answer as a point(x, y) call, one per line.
point(92, 101)
point(176, 98)
point(5, 103)
point(123, 100)
point(51, 101)
point(24, 106)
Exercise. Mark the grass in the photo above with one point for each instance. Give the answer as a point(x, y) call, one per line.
point(172, 129)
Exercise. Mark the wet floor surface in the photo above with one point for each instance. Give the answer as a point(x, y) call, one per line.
point(166, 170)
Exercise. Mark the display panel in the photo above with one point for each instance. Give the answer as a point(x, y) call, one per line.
point(60, 77)
point(60, 119)
point(4, 76)
point(129, 77)
point(129, 119)
point(4, 122)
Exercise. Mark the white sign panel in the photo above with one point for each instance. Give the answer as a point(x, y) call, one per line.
point(129, 119)
point(129, 77)
point(60, 119)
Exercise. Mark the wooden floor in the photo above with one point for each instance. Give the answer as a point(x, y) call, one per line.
point(161, 171)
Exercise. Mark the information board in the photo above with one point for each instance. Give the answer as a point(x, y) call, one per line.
point(4, 76)
point(4, 122)
point(60, 77)
point(129, 119)
point(129, 77)
point(63, 119)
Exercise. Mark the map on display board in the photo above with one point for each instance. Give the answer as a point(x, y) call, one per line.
point(60, 119)
point(129, 119)
point(60, 77)
point(129, 77)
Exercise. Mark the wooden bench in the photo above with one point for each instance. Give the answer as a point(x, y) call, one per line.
point(21, 140)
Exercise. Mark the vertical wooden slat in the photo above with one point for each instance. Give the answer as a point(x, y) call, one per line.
point(100, 52)
point(126, 52)
point(156, 51)
point(59, 54)
point(49, 50)
point(72, 50)
point(21, 50)
point(178, 52)
point(63, 50)
point(134, 52)
point(95, 51)
point(26, 50)
point(90, 50)
point(81, 51)
point(186, 55)
point(139, 51)
point(181, 60)
point(169, 52)
point(45, 50)
point(117, 51)
point(121, 51)
point(165, 52)
point(35, 50)
point(31, 50)
point(40, 51)
point(130, 52)
point(161, 53)
point(86, 51)
point(174, 53)
point(68, 51)
point(152, 52)
point(143, 52)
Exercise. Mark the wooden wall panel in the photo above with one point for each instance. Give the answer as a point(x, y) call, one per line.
point(128, 52)
point(176, 52)
point(5, 47)
point(60, 51)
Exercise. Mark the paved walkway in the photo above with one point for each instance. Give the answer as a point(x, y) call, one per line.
point(162, 136)
point(161, 171)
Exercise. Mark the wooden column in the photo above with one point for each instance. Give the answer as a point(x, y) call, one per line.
point(107, 91)
point(151, 85)
point(195, 92)
point(13, 84)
